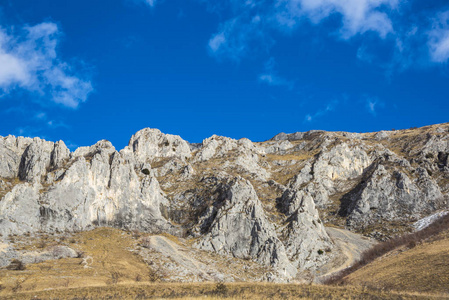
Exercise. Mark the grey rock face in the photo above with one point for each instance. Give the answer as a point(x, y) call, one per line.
point(111, 193)
point(391, 195)
point(240, 228)
point(319, 177)
point(382, 135)
point(150, 143)
point(93, 186)
point(8, 253)
point(35, 160)
point(272, 212)
point(307, 242)
point(19, 210)
point(59, 154)
point(11, 150)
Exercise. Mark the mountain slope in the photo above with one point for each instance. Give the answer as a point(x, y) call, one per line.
point(264, 202)
point(424, 268)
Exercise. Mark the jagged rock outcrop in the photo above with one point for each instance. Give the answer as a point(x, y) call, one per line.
point(19, 210)
point(35, 160)
point(149, 143)
point(306, 241)
point(392, 195)
point(99, 186)
point(8, 253)
point(239, 227)
point(59, 155)
point(267, 201)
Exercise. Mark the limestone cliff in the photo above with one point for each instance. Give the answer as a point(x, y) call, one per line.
point(267, 202)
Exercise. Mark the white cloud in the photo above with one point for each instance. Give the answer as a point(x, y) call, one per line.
point(29, 61)
point(253, 21)
point(358, 16)
point(217, 41)
point(438, 42)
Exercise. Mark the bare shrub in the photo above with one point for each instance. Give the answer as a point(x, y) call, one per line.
point(17, 285)
point(16, 265)
point(410, 240)
point(221, 289)
point(412, 244)
point(66, 282)
point(136, 234)
point(79, 254)
point(115, 277)
point(41, 245)
point(145, 242)
point(154, 274)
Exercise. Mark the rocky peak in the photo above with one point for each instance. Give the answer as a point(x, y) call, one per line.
point(267, 202)
point(148, 144)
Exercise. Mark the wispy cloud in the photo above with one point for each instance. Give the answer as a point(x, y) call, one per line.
point(239, 37)
point(372, 104)
point(56, 124)
point(329, 107)
point(271, 77)
point(30, 61)
point(439, 38)
point(41, 116)
point(254, 20)
point(411, 41)
point(358, 16)
point(150, 3)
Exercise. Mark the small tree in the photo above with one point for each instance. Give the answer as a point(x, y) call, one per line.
point(16, 265)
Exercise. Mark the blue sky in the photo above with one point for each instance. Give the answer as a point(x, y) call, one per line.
point(83, 70)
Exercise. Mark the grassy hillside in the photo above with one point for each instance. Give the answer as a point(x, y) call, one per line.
point(423, 268)
point(110, 268)
point(416, 262)
point(104, 260)
point(214, 291)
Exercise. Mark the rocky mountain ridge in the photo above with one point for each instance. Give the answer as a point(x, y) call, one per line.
point(267, 202)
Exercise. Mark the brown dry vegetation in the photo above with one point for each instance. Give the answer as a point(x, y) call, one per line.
point(106, 260)
point(417, 261)
point(110, 269)
point(214, 291)
point(6, 189)
point(424, 268)
point(406, 141)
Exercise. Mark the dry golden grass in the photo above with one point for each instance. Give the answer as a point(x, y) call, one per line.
point(301, 156)
point(424, 268)
point(406, 141)
point(109, 270)
point(214, 291)
point(6, 190)
point(106, 260)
